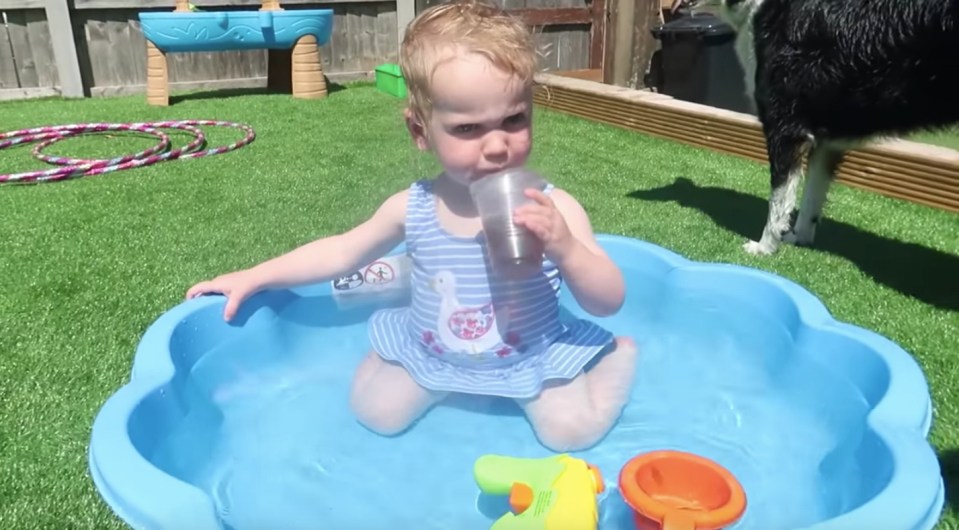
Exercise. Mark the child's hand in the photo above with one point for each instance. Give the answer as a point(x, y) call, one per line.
point(543, 219)
point(236, 286)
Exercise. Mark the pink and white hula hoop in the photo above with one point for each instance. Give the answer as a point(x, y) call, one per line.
point(75, 167)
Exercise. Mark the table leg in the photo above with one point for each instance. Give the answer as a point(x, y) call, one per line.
point(158, 86)
point(307, 71)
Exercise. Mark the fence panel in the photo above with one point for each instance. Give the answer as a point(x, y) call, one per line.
point(111, 49)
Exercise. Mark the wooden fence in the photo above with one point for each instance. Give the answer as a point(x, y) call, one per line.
point(912, 171)
point(78, 48)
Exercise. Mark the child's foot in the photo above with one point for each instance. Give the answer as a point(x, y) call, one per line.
point(385, 398)
point(611, 379)
point(574, 415)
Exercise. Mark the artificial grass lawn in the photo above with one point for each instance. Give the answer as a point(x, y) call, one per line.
point(943, 138)
point(89, 264)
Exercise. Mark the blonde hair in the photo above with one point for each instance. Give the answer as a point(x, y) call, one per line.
point(473, 26)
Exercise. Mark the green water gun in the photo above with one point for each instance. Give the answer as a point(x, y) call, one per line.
point(552, 493)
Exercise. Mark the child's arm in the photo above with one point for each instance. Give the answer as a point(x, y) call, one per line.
point(560, 221)
point(321, 260)
point(328, 258)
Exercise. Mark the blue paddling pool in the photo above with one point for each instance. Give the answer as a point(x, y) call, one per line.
point(245, 426)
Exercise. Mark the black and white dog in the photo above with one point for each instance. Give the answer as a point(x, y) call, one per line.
point(829, 75)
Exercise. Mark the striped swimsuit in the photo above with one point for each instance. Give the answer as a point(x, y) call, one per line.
point(465, 331)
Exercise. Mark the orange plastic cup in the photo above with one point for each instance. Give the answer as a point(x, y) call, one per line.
point(673, 490)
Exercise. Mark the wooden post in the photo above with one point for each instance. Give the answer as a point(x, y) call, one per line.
point(597, 34)
point(270, 5)
point(646, 16)
point(64, 48)
point(405, 13)
point(182, 6)
point(620, 43)
point(158, 86)
point(629, 43)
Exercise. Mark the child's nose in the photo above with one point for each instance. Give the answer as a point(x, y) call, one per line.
point(495, 145)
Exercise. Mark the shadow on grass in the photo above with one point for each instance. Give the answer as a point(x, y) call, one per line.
point(949, 462)
point(224, 93)
point(926, 274)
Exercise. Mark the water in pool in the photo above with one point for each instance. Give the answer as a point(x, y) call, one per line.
point(271, 439)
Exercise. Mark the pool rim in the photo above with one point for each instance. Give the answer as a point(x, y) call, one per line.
point(154, 23)
point(902, 423)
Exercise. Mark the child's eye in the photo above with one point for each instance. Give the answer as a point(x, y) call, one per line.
point(516, 119)
point(465, 128)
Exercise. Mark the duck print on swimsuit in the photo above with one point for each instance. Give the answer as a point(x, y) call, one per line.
point(461, 329)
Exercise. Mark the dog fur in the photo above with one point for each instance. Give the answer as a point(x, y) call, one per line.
point(830, 75)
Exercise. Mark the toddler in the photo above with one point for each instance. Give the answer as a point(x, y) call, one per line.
point(469, 70)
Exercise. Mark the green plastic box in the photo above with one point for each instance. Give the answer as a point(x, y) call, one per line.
point(389, 79)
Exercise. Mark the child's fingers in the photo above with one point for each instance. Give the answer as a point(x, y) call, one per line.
point(538, 230)
point(533, 208)
point(528, 216)
point(233, 304)
point(537, 224)
point(198, 289)
point(540, 197)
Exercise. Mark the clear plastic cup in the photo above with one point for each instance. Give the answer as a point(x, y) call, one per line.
point(514, 251)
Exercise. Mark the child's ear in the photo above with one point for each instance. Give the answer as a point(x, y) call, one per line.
point(417, 129)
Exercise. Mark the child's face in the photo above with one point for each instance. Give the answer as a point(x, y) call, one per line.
point(480, 121)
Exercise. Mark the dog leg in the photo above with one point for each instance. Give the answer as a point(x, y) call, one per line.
point(785, 168)
point(823, 161)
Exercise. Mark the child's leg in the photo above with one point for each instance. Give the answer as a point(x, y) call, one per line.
point(573, 415)
point(611, 378)
point(385, 398)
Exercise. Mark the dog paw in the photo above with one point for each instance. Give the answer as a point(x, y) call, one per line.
point(757, 248)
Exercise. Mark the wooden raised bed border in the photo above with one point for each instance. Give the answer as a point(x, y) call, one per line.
point(913, 171)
